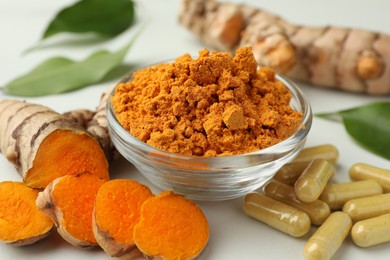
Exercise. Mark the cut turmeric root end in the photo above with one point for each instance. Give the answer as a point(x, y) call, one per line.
point(117, 210)
point(65, 152)
point(21, 222)
point(171, 227)
point(69, 201)
point(44, 145)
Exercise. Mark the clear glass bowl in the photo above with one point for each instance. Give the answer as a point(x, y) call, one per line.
point(212, 178)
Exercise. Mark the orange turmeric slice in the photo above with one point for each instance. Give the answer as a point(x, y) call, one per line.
point(117, 210)
point(171, 227)
point(69, 201)
point(21, 223)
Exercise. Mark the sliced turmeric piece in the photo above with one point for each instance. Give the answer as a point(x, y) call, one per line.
point(44, 145)
point(69, 201)
point(117, 210)
point(21, 223)
point(171, 227)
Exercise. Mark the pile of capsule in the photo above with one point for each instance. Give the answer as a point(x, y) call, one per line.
point(302, 194)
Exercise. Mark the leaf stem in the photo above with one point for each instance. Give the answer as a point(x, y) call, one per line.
point(32, 48)
point(333, 116)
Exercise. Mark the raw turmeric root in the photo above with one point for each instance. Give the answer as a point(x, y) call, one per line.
point(98, 126)
point(69, 201)
point(171, 227)
point(117, 210)
point(44, 145)
point(80, 116)
point(95, 122)
point(351, 59)
point(21, 223)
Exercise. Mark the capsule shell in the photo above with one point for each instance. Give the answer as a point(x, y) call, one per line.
point(276, 214)
point(290, 172)
point(327, 152)
point(329, 237)
point(317, 210)
point(368, 207)
point(313, 180)
point(337, 194)
point(362, 171)
point(372, 231)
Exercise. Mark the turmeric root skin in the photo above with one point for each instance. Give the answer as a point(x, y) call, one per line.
point(98, 127)
point(21, 223)
point(44, 145)
point(80, 116)
point(351, 59)
point(69, 202)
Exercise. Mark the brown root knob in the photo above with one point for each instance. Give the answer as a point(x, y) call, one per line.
point(370, 65)
point(282, 58)
point(80, 116)
point(225, 29)
point(276, 52)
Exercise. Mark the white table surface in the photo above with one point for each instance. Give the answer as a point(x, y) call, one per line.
point(233, 234)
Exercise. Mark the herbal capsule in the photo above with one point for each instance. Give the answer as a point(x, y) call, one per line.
point(335, 195)
point(317, 210)
point(328, 237)
point(372, 231)
point(290, 172)
point(326, 152)
point(313, 180)
point(276, 214)
point(361, 171)
point(368, 207)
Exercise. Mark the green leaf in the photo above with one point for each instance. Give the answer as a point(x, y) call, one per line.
point(369, 125)
point(106, 18)
point(59, 74)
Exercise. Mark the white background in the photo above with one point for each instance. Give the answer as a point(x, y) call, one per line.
point(233, 234)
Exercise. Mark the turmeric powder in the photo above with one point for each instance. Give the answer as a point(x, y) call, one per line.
point(171, 227)
point(117, 210)
point(21, 223)
point(69, 201)
point(214, 105)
